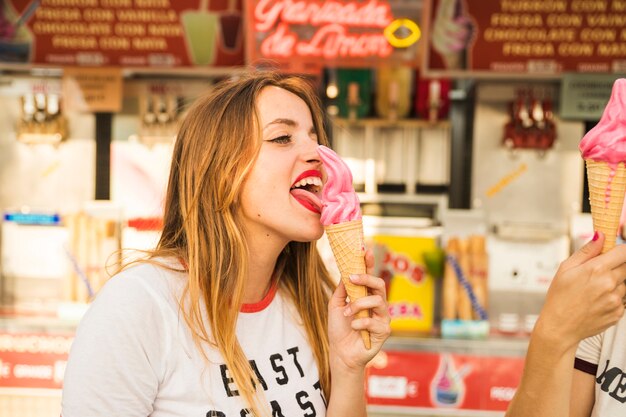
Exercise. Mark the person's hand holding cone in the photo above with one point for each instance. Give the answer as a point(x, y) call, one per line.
point(341, 217)
point(604, 151)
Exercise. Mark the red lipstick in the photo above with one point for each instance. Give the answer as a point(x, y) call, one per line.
point(309, 173)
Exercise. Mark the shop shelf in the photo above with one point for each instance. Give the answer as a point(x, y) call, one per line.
point(380, 411)
point(495, 345)
point(399, 123)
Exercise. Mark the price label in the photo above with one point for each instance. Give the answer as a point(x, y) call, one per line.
point(589, 107)
point(387, 386)
point(93, 89)
point(584, 96)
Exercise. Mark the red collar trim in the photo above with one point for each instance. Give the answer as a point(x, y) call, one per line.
point(253, 307)
point(261, 305)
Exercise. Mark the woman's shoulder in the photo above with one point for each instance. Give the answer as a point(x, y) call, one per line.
point(156, 279)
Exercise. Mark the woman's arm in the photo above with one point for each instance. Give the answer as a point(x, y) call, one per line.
point(551, 386)
point(584, 299)
point(347, 395)
point(348, 355)
point(547, 379)
point(583, 394)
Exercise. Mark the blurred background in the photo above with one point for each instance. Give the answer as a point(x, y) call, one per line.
point(459, 119)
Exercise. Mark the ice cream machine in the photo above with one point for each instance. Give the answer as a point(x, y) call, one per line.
point(528, 194)
point(47, 165)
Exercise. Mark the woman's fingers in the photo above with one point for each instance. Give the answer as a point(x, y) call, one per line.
point(621, 290)
point(583, 255)
point(619, 274)
point(611, 260)
point(375, 285)
point(338, 298)
point(372, 302)
point(379, 328)
point(369, 261)
point(376, 301)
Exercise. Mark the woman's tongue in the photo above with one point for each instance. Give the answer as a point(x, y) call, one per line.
point(307, 199)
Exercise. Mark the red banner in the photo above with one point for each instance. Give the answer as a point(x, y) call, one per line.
point(306, 35)
point(33, 360)
point(513, 36)
point(433, 380)
point(127, 33)
point(406, 379)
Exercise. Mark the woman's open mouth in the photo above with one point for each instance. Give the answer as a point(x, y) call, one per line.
point(306, 189)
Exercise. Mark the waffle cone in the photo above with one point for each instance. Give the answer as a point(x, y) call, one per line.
point(606, 197)
point(347, 243)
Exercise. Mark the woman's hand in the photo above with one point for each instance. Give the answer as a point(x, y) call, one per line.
point(346, 346)
point(585, 297)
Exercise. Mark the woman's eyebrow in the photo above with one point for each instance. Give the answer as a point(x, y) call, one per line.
point(288, 122)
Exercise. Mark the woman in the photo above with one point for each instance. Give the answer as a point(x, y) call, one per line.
point(577, 352)
point(234, 313)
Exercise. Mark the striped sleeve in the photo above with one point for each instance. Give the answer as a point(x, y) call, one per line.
point(588, 354)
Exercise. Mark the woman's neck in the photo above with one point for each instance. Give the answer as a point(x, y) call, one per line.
point(262, 263)
point(258, 283)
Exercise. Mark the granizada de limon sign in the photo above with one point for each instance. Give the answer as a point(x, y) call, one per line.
point(304, 35)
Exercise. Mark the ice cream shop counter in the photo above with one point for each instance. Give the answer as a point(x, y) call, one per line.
point(445, 377)
point(411, 376)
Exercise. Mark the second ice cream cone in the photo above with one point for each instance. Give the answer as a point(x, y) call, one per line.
point(607, 186)
point(347, 243)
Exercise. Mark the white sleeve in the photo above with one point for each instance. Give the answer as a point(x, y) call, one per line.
point(589, 349)
point(118, 357)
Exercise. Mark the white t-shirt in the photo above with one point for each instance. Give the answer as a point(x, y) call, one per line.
point(604, 356)
point(133, 355)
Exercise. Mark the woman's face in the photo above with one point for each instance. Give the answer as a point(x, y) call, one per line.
point(280, 199)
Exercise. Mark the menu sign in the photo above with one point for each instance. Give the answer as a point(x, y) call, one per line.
point(519, 36)
point(129, 33)
point(306, 35)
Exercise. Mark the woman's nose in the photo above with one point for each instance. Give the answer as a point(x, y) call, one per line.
point(309, 152)
point(314, 158)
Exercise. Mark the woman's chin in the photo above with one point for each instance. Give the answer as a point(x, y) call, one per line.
point(311, 235)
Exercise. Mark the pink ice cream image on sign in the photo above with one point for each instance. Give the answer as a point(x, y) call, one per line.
point(341, 217)
point(604, 150)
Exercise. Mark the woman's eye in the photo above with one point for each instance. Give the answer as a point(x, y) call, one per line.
point(282, 139)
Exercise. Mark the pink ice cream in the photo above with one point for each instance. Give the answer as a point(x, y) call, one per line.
point(339, 200)
point(607, 140)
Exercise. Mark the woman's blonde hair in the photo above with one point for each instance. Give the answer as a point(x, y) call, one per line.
point(216, 147)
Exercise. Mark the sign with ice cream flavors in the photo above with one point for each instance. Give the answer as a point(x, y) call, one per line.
point(126, 33)
point(525, 37)
point(307, 35)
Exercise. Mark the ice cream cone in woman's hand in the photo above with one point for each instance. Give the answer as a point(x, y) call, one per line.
point(604, 151)
point(607, 185)
point(341, 217)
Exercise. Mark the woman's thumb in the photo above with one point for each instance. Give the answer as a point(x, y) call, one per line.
point(590, 250)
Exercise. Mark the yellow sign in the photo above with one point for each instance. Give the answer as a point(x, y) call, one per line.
point(92, 89)
point(395, 41)
point(411, 293)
